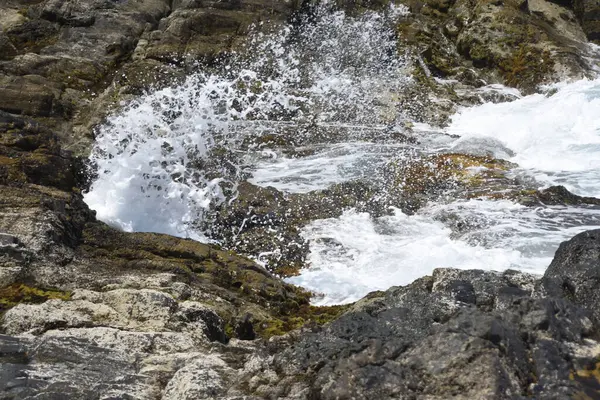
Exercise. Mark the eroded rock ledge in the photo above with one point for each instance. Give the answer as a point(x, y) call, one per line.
point(90, 312)
point(458, 333)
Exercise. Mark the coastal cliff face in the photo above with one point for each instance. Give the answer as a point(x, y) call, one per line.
point(87, 311)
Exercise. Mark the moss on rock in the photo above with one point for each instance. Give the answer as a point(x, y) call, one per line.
point(446, 171)
point(589, 380)
point(306, 314)
point(18, 293)
point(527, 67)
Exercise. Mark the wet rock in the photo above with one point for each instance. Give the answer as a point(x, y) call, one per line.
point(425, 341)
point(575, 270)
point(22, 96)
point(483, 147)
point(7, 49)
point(449, 175)
point(560, 195)
point(266, 223)
point(587, 11)
point(520, 44)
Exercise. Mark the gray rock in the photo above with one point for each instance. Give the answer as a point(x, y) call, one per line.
point(459, 334)
point(588, 12)
point(575, 271)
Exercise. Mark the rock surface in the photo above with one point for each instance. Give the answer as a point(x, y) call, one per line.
point(87, 311)
point(575, 271)
point(461, 334)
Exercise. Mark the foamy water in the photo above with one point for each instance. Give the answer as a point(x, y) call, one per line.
point(149, 157)
point(554, 139)
point(356, 254)
point(336, 75)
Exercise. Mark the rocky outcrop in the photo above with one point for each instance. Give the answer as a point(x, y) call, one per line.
point(517, 43)
point(460, 334)
point(266, 223)
point(77, 295)
point(575, 271)
point(588, 12)
point(72, 61)
point(87, 311)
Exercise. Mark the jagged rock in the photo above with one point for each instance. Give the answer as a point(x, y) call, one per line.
point(410, 183)
point(588, 13)
point(7, 49)
point(517, 43)
point(560, 195)
point(104, 363)
point(199, 379)
point(434, 339)
point(265, 222)
point(575, 270)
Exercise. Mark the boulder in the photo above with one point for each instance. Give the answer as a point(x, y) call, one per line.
point(459, 334)
point(588, 12)
point(575, 271)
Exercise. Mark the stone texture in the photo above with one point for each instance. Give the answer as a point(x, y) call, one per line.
point(460, 334)
point(588, 12)
point(90, 312)
point(575, 271)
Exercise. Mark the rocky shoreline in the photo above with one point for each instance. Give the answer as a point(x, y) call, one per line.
point(458, 333)
point(87, 311)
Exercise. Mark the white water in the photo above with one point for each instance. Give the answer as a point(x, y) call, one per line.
point(556, 138)
point(356, 254)
point(148, 156)
point(341, 74)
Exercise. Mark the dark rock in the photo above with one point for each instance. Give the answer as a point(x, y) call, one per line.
point(8, 240)
point(419, 341)
point(575, 271)
point(560, 195)
point(30, 153)
point(588, 12)
point(33, 35)
point(244, 329)
point(22, 96)
point(267, 221)
point(7, 49)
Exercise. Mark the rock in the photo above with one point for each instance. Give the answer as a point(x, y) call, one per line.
point(518, 43)
point(411, 182)
point(424, 341)
point(75, 361)
point(22, 96)
point(7, 49)
point(199, 379)
point(588, 13)
point(32, 35)
point(561, 18)
point(574, 271)
point(560, 195)
point(482, 147)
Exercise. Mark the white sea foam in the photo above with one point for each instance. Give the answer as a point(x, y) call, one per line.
point(343, 73)
point(330, 164)
point(148, 158)
point(555, 137)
